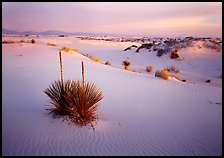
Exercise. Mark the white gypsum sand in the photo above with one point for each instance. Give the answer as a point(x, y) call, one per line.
point(140, 114)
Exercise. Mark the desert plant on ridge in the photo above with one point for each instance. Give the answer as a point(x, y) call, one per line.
point(33, 41)
point(84, 98)
point(76, 99)
point(163, 74)
point(174, 54)
point(51, 44)
point(107, 63)
point(57, 92)
point(126, 64)
point(67, 49)
point(149, 68)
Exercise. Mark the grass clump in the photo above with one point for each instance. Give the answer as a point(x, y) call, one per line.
point(174, 54)
point(8, 42)
point(76, 99)
point(126, 64)
point(67, 49)
point(107, 63)
point(94, 59)
point(33, 41)
point(51, 44)
point(163, 74)
point(149, 68)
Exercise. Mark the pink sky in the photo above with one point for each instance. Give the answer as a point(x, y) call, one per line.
point(136, 18)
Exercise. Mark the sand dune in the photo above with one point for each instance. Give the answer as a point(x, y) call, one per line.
point(139, 115)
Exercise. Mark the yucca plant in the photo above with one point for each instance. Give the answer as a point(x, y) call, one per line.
point(58, 92)
point(84, 98)
point(79, 100)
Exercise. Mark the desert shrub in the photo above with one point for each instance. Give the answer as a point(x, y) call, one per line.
point(126, 64)
point(94, 59)
point(107, 63)
point(51, 44)
point(21, 41)
point(67, 49)
point(174, 54)
point(163, 74)
point(87, 55)
point(33, 41)
point(76, 99)
point(158, 74)
point(149, 68)
point(8, 42)
point(173, 68)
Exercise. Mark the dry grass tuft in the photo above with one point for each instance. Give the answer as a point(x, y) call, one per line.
point(163, 74)
point(126, 64)
point(94, 59)
point(8, 42)
point(33, 41)
point(51, 44)
point(174, 54)
point(67, 49)
point(149, 68)
point(107, 63)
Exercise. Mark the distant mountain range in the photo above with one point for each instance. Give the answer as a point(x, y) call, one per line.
point(53, 32)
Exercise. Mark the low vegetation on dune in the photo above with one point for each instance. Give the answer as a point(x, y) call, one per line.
point(163, 74)
point(33, 41)
point(94, 59)
point(51, 44)
point(76, 99)
point(174, 54)
point(8, 42)
point(107, 63)
point(126, 64)
point(149, 68)
point(20, 41)
point(67, 49)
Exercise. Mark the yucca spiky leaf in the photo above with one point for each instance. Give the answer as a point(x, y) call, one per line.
point(57, 92)
point(84, 96)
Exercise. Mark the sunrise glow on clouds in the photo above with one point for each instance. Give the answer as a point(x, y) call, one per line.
point(143, 18)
